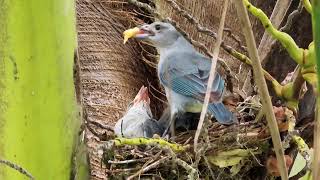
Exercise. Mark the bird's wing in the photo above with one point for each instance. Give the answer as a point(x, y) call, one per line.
point(189, 77)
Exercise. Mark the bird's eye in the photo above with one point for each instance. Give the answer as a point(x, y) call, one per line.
point(158, 27)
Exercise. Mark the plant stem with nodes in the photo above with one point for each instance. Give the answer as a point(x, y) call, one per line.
point(285, 39)
point(149, 141)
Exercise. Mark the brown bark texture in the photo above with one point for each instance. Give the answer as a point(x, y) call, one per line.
point(111, 73)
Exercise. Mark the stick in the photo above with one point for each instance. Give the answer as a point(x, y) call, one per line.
point(212, 75)
point(278, 13)
point(263, 90)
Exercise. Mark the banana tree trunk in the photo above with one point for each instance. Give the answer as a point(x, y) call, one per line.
point(38, 111)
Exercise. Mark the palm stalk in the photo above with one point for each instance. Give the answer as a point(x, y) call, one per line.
point(38, 111)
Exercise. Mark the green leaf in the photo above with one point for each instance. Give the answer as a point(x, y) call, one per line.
point(231, 157)
point(298, 165)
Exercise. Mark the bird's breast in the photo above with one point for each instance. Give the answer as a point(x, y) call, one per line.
point(181, 103)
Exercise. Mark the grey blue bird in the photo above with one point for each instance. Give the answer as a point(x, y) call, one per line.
point(138, 121)
point(184, 73)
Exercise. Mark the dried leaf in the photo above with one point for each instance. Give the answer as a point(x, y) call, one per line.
point(272, 165)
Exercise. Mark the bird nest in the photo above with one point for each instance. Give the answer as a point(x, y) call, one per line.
point(223, 152)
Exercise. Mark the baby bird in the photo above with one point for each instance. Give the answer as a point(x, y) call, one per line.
point(138, 121)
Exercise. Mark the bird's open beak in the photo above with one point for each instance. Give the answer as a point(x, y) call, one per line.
point(142, 96)
point(142, 32)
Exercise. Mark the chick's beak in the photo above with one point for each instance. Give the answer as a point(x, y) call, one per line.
point(142, 97)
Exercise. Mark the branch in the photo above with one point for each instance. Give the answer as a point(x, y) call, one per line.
point(278, 13)
point(149, 167)
point(285, 39)
point(292, 16)
point(236, 39)
point(145, 6)
point(17, 168)
point(211, 76)
point(260, 81)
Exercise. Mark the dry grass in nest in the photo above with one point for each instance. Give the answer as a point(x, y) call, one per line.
point(160, 162)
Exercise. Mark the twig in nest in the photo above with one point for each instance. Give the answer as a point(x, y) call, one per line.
point(149, 167)
point(127, 161)
point(209, 167)
point(17, 168)
point(193, 173)
point(114, 171)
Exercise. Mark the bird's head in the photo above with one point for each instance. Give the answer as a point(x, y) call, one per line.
point(141, 103)
point(160, 34)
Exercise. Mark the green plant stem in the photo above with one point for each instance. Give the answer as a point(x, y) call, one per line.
point(151, 141)
point(307, 5)
point(316, 37)
point(285, 39)
point(39, 115)
point(262, 86)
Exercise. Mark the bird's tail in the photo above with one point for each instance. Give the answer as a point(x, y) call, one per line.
point(221, 113)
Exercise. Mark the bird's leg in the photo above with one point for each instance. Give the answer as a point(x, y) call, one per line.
point(171, 126)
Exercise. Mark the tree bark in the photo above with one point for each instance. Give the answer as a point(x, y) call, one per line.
point(111, 72)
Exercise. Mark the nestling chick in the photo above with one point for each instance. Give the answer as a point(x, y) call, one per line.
point(138, 121)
